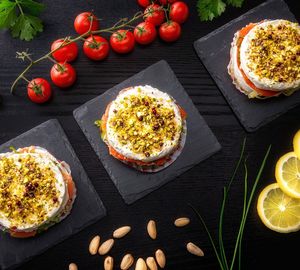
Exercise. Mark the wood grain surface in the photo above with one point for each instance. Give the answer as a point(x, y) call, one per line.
point(200, 186)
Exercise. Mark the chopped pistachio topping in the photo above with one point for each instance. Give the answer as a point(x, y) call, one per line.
point(144, 124)
point(27, 191)
point(274, 52)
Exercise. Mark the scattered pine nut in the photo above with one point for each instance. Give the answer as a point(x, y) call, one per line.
point(108, 263)
point(121, 232)
point(127, 262)
point(140, 264)
point(106, 246)
point(181, 222)
point(151, 228)
point(94, 245)
point(73, 266)
point(160, 258)
point(194, 249)
point(151, 263)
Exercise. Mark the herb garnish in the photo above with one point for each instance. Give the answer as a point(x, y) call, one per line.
point(210, 9)
point(20, 17)
point(222, 258)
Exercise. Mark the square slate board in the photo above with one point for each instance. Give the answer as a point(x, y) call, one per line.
point(214, 51)
point(200, 142)
point(87, 207)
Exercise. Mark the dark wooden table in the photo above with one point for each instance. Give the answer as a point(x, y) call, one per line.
point(200, 186)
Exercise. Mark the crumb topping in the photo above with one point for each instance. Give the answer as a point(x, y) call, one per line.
point(144, 124)
point(274, 52)
point(27, 191)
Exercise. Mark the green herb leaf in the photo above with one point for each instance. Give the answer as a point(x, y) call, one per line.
point(98, 123)
point(235, 3)
point(20, 16)
point(26, 27)
point(8, 14)
point(209, 9)
point(13, 149)
point(32, 7)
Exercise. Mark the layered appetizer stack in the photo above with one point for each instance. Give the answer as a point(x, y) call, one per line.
point(265, 59)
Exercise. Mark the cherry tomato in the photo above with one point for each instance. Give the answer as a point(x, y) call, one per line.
point(165, 2)
point(144, 3)
point(82, 22)
point(67, 53)
point(63, 75)
point(170, 31)
point(145, 33)
point(39, 90)
point(179, 12)
point(96, 47)
point(154, 14)
point(122, 41)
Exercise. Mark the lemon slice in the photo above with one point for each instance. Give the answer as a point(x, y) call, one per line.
point(287, 173)
point(278, 211)
point(296, 143)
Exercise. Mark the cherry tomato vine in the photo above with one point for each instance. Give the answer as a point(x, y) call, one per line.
point(163, 14)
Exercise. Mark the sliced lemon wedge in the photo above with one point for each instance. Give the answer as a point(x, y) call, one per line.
point(296, 143)
point(287, 173)
point(278, 211)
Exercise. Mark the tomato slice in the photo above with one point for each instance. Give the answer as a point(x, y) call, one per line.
point(242, 33)
point(183, 113)
point(22, 234)
point(70, 184)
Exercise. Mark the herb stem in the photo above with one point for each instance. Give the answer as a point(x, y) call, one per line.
point(20, 7)
point(225, 195)
point(243, 221)
point(210, 238)
point(120, 24)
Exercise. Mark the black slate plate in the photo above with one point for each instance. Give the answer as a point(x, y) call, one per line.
point(87, 207)
point(200, 141)
point(213, 50)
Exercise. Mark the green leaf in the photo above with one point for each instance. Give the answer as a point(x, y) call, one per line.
point(235, 3)
point(209, 9)
point(26, 27)
point(32, 7)
point(7, 13)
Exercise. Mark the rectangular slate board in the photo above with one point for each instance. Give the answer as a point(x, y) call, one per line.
point(200, 142)
point(87, 208)
point(214, 52)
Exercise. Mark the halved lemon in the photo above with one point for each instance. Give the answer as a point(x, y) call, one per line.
point(287, 173)
point(296, 143)
point(278, 211)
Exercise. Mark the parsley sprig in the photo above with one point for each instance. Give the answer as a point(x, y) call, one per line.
point(210, 9)
point(21, 18)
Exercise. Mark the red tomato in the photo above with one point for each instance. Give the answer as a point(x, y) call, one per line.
point(67, 53)
point(179, 12)
point(154, 14)
point(96, 47)
point(39, 90)
point(122, 41)
point(63, 75)
point(165, 2)
point(170, 31)
point(145, 33)
point(144, 3)
point(82, 22)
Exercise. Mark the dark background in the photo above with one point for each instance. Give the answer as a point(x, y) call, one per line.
point(201, 186)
